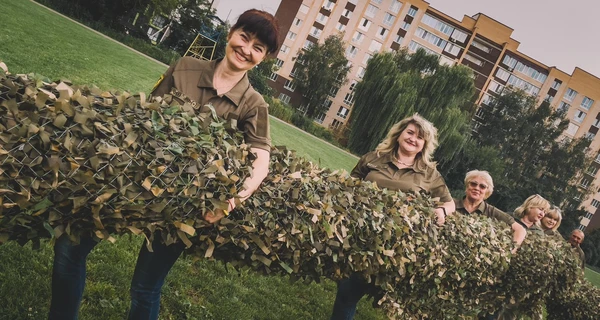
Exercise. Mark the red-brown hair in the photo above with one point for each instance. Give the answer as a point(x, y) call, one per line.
point(261, 24)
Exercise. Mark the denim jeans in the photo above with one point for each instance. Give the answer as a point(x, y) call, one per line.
point(149, 276)
point(349, 292)
point(68, 276)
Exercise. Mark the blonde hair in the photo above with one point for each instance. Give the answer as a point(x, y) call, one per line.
point(426, 130)
point(534, 201)
point(554, 213)
point(485, 176)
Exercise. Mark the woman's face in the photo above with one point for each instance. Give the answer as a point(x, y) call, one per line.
point(244, 50)
point(548, 222)
point(535, 214)
point(410, 141)
point(476, 189)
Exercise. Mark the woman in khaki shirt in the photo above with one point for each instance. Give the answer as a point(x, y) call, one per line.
point(402, 161)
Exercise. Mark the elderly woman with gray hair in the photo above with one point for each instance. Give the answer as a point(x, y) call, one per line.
point(478, 187)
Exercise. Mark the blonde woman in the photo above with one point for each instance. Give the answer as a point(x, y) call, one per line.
point(402, 161)
point(551, 221)
point(528, 215)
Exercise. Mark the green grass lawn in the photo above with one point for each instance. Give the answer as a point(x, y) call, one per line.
point(593, 276)
point(32, 39)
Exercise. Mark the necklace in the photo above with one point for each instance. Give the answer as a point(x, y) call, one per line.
point(404, 163)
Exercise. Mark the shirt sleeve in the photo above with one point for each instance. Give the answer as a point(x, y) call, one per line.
point(256, 127)
point(361, 170)
point(164, 83)
point(438, 188)
point(502, 216)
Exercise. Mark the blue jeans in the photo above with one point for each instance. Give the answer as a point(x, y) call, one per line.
point(349, 292)
point(68, 276)
point(149, 276)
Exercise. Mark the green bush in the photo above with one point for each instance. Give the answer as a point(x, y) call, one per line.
point(279, 110)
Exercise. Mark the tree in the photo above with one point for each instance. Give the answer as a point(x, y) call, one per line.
point(259, 76)
point(398, 84)
point(318, 69)
point(538, 159)
point(191, 18)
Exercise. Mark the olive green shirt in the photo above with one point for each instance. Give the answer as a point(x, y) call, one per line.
point(382, 169)
point(485, 209)
point(194, 79)
point(581, 256)
point(534, 228)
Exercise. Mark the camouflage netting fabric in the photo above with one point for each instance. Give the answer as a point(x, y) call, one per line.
point(78, 161)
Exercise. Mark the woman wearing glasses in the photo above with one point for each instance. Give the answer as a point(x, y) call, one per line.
point(479, 186)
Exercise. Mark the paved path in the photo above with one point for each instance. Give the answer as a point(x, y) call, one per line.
point(166, 66)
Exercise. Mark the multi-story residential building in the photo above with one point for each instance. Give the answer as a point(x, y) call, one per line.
point(479, 42)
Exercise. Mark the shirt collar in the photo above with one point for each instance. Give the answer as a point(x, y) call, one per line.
point(236, 94)
point(480, 208)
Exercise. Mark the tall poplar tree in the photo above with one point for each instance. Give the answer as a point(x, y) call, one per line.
point(398, 84)
point(318, 69)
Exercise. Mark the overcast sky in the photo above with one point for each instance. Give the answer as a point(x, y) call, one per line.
point(565, 35)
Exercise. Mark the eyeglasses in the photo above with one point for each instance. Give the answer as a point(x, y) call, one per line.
point(474, 184)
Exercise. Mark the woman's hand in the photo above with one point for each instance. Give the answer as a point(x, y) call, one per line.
point(218, 214)
point(441, 216)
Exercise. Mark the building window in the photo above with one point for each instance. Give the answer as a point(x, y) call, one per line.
point(481, 47)
point(304, 9)
point(570, 95)
point(590, 135)
point(347, 13)
point(458, 35)
point(290, 85)
point(371, 11)
point(414, 46)
point(297, 22)
point(549, 98)
point(352, 85)
point(365, 24)
point(343, 112)
point(395, 6)
point(320, 117)
point(291, 35)
point(340, 27)
point(509, 61)
point(556, 84)
point(495, 87)
point(474, 60)
point(322, 19)
point(438, 25)
point(333, 91)
point(295, 69)
point(273, 76)
point(412, 11)
point(361, 72)
point(431, 38)
point(351, 52)
point(328, 5)
point(335, 124)
point(595, 203)
point(398, 39)
point(278, 63)
point(366, 58)
point(523, 85)
point(572, 129)
point(531, 72)
point(284, 49)
point(377, 1)
point(388, 19)
point(405, 25)
point(587, 103)
point(452, 49)
point(308, 44)
point(585, 182)
point(358, 37)
point(349, 98)
point(327, 103)
point(579, 116)
point(284, 98)
point(375, 46)
point(480, 112)
point(563, 107)
point(592, 170)
point(315, 32)
point(382, 33)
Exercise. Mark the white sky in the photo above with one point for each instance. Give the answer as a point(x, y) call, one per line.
point(556, 33)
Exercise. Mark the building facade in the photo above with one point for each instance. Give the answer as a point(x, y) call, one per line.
point(478, 42)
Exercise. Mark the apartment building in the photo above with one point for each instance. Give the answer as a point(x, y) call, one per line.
point(478, 42)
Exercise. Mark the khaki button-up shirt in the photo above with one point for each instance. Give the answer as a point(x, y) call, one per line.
point(382, 170)
point(485, 209)
point(194, 79)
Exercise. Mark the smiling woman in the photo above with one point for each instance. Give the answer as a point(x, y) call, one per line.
point(224, 84)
